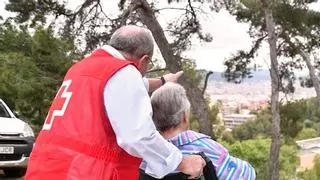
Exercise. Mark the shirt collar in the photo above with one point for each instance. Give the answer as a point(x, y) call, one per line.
point(186, 137)
point(116, 54)
point(111, 50)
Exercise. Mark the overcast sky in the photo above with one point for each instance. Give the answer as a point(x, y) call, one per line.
point(228, 35)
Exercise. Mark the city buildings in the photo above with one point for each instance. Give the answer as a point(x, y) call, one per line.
point(233, 120)
point(237, 101)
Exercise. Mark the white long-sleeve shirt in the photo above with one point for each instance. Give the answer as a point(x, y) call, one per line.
point(128, 107)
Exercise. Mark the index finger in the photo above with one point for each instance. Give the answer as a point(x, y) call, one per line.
point(179, 73)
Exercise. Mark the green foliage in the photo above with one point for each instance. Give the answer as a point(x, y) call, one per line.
point(308, 112)
point(307, 175)
point(306, 133)
point(189, 69)
point(313, 110)
point(213, 111)
point(251, 129)
point(256, 152)
point(288, 161)
point(294, 117)
point(51, 53)
point(227, 137)
point(14, 68)
point(14, 40)
point(307, 123)
point(35, 9)
point(32, 69)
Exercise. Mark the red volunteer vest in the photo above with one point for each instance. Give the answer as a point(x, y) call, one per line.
point(77, 141)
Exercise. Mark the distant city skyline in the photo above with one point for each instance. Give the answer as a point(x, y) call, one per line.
point(253, 91)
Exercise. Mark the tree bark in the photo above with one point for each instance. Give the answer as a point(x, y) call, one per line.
point(275, 86)
point(312, 72)
point(173, 63)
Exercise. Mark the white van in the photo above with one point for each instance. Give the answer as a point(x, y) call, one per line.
point(16, 143)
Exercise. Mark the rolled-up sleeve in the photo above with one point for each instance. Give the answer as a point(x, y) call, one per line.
point(128, 107)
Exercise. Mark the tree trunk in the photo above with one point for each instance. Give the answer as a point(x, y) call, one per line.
point(313, 76)
point(173, 63)
point(275, 84)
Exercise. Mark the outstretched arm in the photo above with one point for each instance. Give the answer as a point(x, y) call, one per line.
point(155, 83)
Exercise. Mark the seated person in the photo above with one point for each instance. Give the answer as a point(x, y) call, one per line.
point(171, 109)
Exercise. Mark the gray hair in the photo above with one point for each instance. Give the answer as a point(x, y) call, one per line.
point(169, 103)
point(133, 40)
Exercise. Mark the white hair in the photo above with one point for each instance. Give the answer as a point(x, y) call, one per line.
point(134, 40)
point(169, 103)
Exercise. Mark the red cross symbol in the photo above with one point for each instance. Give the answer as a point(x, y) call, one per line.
point(59, 104)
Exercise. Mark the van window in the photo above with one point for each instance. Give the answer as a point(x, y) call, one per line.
point(3, 111)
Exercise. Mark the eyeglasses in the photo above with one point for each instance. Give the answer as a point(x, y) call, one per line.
point(151, 64)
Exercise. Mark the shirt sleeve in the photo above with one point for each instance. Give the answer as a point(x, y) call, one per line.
point(146, 83)
point(128, 107)
point(224, 163)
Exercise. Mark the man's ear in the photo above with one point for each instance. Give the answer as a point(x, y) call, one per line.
point(140, 61)
point(144, 58)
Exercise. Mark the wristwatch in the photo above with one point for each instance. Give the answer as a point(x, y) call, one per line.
point(163, 81)
point(206, 159)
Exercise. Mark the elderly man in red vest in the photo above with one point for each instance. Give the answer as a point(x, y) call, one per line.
point(100, 126)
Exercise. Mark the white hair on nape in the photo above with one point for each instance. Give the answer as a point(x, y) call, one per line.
point(169, 103)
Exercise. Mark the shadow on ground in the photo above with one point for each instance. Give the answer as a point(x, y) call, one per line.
point(3, 177)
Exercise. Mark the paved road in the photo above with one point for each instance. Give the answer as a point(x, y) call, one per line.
point(2, 177)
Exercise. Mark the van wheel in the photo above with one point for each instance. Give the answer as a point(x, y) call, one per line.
point(15, 172)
